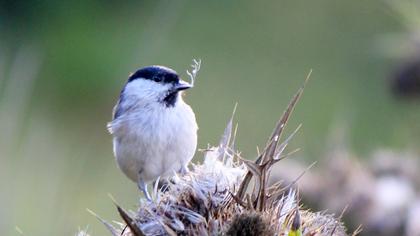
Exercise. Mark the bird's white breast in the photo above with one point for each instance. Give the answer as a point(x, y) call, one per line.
point(154, 141)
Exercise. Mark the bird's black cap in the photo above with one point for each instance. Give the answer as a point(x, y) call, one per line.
point(159, 74)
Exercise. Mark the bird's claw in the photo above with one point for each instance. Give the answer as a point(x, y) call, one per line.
point(143, 187)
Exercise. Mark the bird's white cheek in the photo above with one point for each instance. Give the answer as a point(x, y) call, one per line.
point(145, 91)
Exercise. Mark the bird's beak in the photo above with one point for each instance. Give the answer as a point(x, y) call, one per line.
point(182, 85)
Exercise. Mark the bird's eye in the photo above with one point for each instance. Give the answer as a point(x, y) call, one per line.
point(157, 79)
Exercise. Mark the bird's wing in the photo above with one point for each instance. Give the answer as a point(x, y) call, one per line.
point(116, 112)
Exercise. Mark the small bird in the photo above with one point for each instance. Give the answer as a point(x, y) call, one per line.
point(154, 130)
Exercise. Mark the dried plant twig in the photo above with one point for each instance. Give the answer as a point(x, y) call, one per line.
point(195, 68)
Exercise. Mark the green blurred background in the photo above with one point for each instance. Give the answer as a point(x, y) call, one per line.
point(62, 66)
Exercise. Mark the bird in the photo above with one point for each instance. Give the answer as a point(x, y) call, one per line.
point(154, 131)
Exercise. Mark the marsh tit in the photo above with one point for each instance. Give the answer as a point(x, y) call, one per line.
point(154, 130)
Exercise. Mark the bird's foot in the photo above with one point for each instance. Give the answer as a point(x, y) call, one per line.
point(184, 170)
point(143, 187)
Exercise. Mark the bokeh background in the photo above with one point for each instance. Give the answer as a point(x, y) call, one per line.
point(62, 65)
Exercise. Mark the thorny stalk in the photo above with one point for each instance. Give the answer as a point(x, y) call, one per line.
point(260, 168)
